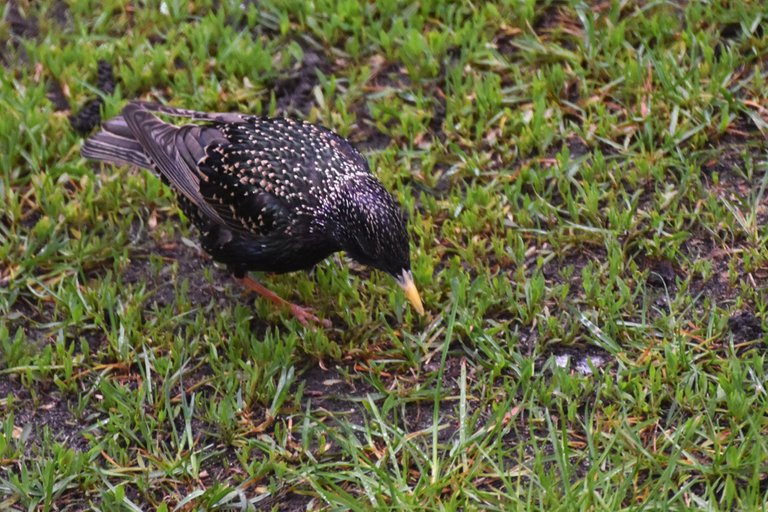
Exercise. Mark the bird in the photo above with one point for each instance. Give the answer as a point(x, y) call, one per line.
point(267, 194)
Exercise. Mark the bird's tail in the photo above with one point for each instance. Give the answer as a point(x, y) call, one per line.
point(116, 144)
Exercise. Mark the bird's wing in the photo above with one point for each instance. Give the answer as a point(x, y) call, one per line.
point(173, 151)
point(272, 172)
point(198, 161)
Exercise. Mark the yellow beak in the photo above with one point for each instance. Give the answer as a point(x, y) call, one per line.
point(411, 293)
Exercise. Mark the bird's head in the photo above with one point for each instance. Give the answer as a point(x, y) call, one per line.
point(372, 230)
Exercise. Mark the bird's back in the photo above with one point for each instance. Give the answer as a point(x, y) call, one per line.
point(278, 163)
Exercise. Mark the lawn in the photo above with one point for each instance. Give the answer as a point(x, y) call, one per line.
point(586, 186)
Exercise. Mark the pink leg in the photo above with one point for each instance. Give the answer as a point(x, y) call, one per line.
point(303, 315)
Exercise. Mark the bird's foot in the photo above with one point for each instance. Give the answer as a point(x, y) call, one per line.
point(305, 316)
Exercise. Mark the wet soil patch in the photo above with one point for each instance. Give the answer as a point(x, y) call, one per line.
point(558, 23)
point(728, 161)
point(365, 135)
point(505, 42)
point(439, 107)
point(267, 25)
point(182, 263)
point(570, 264)
point(185, 263)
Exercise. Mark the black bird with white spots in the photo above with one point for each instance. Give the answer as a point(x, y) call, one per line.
point(267, 194)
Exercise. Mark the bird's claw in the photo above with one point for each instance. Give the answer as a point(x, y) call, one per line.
point(305, 316)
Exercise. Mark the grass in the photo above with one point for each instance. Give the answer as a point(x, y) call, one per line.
point(587, 191)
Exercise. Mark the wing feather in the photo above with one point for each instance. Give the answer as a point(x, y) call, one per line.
point(159, 141)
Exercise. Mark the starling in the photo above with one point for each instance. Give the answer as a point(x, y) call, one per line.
point(267, 194)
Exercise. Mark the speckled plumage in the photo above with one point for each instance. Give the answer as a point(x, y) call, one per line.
point(267, 194)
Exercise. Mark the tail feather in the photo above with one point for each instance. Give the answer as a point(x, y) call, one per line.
point(115, 144)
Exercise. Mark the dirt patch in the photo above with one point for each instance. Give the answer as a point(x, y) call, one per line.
point(183, 262)
point(439, 108)
point(333, 394)
point(60, 13)
point(10, 385)
point(728, 161)
point(718, 287)
point(89, 116)
point(391, 75)
point(566, 268)
point(286, 501)
point(49, 410)
point(745, 326)
point(21, 25)
point(186, 263)
point(366, 136)
point(30, 317)
point(560, 24)
point(661, 273)
point(57, 97)
point(721, 286)
point(330, 391)
point(451, 371)
point(371, 140)
point(505, 42)
point(267, 25)
point(293, 92)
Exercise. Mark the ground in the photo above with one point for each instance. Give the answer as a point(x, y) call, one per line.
point(585, 184)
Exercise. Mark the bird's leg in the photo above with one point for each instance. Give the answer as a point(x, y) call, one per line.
point(303, 315)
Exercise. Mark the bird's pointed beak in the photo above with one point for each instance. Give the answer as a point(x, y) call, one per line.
point(405, 280)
